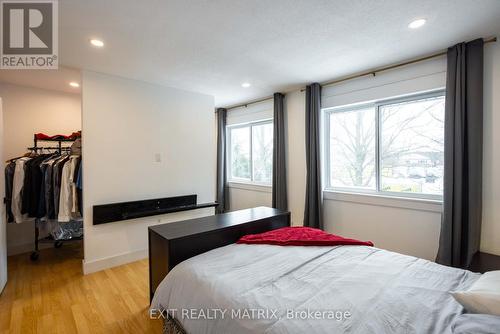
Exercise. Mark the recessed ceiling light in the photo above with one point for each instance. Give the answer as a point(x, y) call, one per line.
point(245, 85)
point(74, 84)
point(417, 23)
point(97, 43)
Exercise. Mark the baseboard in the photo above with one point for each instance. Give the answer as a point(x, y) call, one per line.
point(24, 248)
point(113, 261)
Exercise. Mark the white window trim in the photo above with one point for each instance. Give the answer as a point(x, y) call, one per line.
point(418, 204)
point(265, 188)
point(375, 193)
point(241, 182)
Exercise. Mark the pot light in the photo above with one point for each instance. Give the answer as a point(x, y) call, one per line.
point(97, 43)
point(245, 85)
point(417, 23)
point(74, 84)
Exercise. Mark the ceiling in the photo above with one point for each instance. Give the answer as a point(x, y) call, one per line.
point(47, 79)
point(212, 46)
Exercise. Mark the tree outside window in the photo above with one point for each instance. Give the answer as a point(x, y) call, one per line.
point(251, 152)
point(388, 146)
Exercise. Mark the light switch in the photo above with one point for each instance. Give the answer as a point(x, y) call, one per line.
point(158, 157)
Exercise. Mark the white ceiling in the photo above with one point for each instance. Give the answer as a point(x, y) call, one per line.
point(212, 46)
point(47, 79)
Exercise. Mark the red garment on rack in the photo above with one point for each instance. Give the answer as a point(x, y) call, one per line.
point(43, 136)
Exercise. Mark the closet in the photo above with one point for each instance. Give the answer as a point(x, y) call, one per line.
point(44, 187)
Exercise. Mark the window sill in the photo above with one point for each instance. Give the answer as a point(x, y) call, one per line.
point(418, 204)
point(250, 186)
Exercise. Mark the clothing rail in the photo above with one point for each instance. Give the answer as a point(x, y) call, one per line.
point(49, 148)
point(372, 72)
point(57, 243)
point(59, 141)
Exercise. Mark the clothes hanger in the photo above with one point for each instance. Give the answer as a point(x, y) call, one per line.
point(13, 159)
point(25, 155)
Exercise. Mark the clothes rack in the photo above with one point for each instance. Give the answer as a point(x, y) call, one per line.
point(60, 149)
point(49, 239)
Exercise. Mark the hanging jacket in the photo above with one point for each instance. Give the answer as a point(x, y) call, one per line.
point(68, 191)
point(17, 190)
point(9, 182)
point(32, 185)
point(56, 179)
point(45, 187)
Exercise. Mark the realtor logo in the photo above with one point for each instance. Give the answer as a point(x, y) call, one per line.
point(29, 34)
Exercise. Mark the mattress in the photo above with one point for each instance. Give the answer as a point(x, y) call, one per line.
point(294, 289)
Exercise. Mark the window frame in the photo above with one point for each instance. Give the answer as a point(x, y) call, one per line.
point(327, 112)
point(250, 126)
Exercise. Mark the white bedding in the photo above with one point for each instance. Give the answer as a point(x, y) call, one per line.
point(364, 289)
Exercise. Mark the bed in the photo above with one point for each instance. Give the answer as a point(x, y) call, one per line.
point(242, 288)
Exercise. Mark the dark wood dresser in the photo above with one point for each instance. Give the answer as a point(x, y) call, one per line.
point(483, 262)
point(172, 243)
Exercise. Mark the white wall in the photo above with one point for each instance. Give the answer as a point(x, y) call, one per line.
point(419, 77)
point(3, 227)
point(490, 234)
point(27, 111)
point(251, 113)
point(389, 225)
point(126, 123)
point(296, 155)
point(242, 196)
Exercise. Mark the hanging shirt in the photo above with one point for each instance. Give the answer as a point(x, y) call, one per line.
point(56, 179)
point(68, 189)
point(76, 148)
point(17, 188)
point(32, 185)
point(74, 177)
point(79, 188)
point(46, 187)
point(65, 195)
point(79, 180)
point(49, 188)
point(9, 181)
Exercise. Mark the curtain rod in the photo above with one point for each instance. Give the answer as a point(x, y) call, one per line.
point(372, 72)
point(250, 102)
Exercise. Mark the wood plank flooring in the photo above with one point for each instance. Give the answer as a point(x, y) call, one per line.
point(53, 296)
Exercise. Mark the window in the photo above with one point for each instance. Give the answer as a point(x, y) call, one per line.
point(352, 142)
point(394, 147)
point(251, 152)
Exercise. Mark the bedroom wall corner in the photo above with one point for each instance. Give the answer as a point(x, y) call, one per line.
point(296, 155)
point(246, 196)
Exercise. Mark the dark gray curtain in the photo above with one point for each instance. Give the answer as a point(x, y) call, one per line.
point(313, 207)
point(280, 200)
point(463, 148)
point(222, 194)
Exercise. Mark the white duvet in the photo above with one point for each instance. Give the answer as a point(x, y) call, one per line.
point(293, 289)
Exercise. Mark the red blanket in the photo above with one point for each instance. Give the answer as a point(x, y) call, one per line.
point(300, 236)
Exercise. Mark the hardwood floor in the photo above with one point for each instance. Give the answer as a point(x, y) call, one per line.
point(53, 296)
